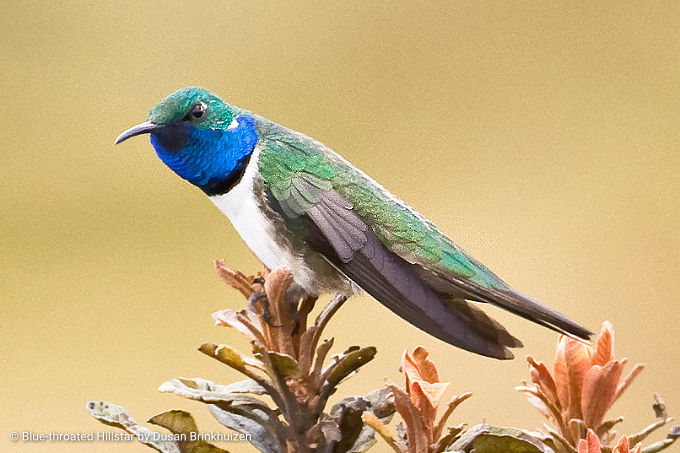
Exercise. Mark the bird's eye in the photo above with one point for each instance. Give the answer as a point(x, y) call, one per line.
point(197, 112)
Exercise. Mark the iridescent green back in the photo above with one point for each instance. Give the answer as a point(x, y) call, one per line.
point(287, 154)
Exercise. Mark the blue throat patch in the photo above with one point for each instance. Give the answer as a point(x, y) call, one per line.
point(211, 159)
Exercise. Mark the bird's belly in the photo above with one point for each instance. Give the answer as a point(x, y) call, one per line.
point(256, 230)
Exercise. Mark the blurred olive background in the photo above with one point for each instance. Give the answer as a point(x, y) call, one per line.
point(542, 136)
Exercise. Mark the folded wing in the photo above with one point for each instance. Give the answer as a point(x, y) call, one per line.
point(392, 252)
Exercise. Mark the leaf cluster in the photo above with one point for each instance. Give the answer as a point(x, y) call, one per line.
point(282, 404)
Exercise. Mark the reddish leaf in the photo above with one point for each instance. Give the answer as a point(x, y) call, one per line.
point(599, 390)
point(542, 378)
point(426, 368)
point(418, 438)
point(622, 446)
point(235, 279)
point(432, 392)
point(577, 357)
point(410, 370)
point(604, 352)
point(560, 373)
point(426, 398)
point(589, 445)
point(628, 380)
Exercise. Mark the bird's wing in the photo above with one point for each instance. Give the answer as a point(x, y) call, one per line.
point(358, 223)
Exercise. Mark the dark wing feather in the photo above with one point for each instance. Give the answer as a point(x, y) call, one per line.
point(343, 229)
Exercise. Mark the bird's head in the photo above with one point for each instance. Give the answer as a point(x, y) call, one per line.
point(186, 108)
point(199, 136)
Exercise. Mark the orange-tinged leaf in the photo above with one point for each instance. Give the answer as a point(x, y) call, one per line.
point(589, 445)
point(426, 368)
point(426, 397)
point(235, 279)
point(628, 380)
point(410, 370)
point(433, 392)
point(604, 352)
point(451, 406)
point(598, 392)
point(427, 411)
point(544, 380)
point(582, 446)
point(277, 284)
point(415, 426)
point(560, 375)
point(417, 367)
point(622, 446)
point(540, 405)
point(577, 357)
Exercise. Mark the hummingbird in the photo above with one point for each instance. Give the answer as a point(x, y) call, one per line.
point(296, 203)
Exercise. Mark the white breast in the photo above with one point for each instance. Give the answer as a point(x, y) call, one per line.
point(244, 212)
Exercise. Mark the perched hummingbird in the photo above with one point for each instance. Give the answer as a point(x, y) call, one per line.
point(298, 204)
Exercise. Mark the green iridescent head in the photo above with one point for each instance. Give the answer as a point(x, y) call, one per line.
point(197, 105)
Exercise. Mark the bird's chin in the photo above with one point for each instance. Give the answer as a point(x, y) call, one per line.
point(171, 138)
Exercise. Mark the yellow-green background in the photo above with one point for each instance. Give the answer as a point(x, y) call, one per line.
point(542, 136)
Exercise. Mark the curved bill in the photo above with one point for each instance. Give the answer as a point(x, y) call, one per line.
point(144, 128)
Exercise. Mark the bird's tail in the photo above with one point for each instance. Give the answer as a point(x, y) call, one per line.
point(461, 288)
point(528, 308)
point(513, 301)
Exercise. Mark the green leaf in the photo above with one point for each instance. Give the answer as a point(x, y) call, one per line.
point(225, 354)
point(175, 420)
point(491, 439)
point(348, 363)
point(284, 365)
point(181, 422)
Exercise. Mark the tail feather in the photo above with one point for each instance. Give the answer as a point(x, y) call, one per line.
point(512, 301)
point(532, 310)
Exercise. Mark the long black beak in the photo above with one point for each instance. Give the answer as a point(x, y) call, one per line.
point(145, 128)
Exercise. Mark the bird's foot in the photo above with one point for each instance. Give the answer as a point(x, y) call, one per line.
point(266, 312)
point(252, 305)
